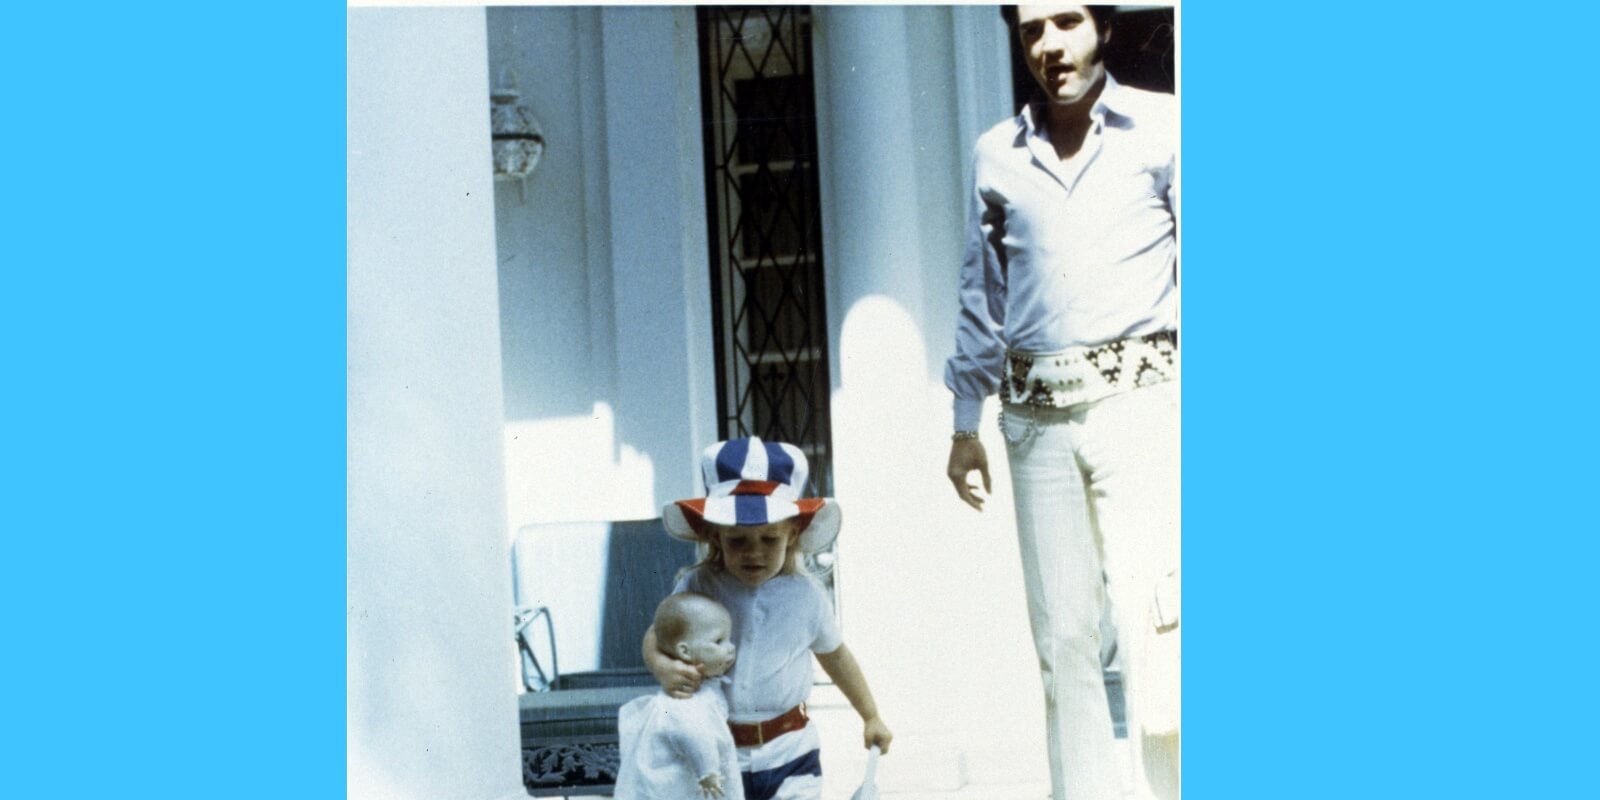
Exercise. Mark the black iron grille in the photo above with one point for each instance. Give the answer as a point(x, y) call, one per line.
point(765, 229)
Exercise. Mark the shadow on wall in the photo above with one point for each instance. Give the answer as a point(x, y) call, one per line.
point(601, 390)
point(555, 310)
point(601, 582)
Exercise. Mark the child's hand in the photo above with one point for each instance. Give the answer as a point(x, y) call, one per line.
point(711, 784)
point(877, 733)
point(677, 678)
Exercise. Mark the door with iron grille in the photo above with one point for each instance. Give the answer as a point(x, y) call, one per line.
point(764, 222)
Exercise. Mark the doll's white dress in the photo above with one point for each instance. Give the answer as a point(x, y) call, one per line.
point(667, 744)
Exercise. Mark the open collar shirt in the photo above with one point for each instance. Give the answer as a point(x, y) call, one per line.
point(1063, 254)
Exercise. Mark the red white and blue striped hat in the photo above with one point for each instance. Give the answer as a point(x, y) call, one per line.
point(751, 482)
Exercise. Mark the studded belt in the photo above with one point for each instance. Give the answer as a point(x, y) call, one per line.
point(1085, 374)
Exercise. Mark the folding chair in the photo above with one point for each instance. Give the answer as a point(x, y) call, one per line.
point(586, 592)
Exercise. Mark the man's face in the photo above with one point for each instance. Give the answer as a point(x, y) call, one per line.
point(1062, 47)
point(707, 643)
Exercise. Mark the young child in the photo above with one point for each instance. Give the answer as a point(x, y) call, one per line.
point(756, 525)
point(681, 749)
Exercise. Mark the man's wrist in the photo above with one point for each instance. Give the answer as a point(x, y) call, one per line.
point(968, 411)
point(961, 436)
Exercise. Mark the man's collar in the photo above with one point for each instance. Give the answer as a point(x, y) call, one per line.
point(1114, 99)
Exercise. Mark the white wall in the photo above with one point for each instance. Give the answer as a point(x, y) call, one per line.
point(605, 291)
point(661, 285)
point(555, 278)
point(431, 703)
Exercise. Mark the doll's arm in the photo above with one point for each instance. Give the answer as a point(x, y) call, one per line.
point(678, 679)
point(841, 666)
point(690, 738)
point(711, 784)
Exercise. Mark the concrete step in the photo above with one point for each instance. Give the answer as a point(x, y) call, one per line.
point(932, 764)
point(1024, 791)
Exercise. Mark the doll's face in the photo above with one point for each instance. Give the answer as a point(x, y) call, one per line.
point(707, 643)
point(754, 554)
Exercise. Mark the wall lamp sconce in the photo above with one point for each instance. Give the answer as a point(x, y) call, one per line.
point(518, 140)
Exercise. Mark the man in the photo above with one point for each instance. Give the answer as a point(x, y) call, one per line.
point(1069, 310)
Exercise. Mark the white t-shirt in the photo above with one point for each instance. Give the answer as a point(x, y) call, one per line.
point(668, 744)
point(776, 626)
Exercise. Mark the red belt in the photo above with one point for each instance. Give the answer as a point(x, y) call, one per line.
point(750, 735)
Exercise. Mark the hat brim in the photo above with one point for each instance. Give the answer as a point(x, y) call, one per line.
point(819, 517)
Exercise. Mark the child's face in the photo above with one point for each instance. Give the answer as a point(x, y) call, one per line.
point(707, 643)
point(756, 553)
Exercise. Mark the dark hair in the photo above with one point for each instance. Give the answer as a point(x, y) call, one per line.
point(1100, 14)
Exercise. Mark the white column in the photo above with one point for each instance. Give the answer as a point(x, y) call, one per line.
point(666, 381)
point(885, 405)
point(930, 591)
point(902, 94)
point(431, 664)
point(868, 148)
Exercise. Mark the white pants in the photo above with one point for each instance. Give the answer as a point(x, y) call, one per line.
point(1097, 487)
point(775, 755)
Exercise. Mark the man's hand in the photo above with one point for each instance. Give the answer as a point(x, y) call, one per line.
point(877, 733)
point(967, 455)
point(711, 785)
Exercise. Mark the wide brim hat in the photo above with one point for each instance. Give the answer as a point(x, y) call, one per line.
point(750, 482)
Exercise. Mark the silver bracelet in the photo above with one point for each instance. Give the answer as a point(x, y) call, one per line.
point(961, 436)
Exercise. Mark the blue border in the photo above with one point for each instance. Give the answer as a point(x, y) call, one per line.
point(174, 320)
point(1389, 281)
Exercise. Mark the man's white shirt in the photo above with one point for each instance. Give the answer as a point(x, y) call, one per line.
point(1062, 254)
